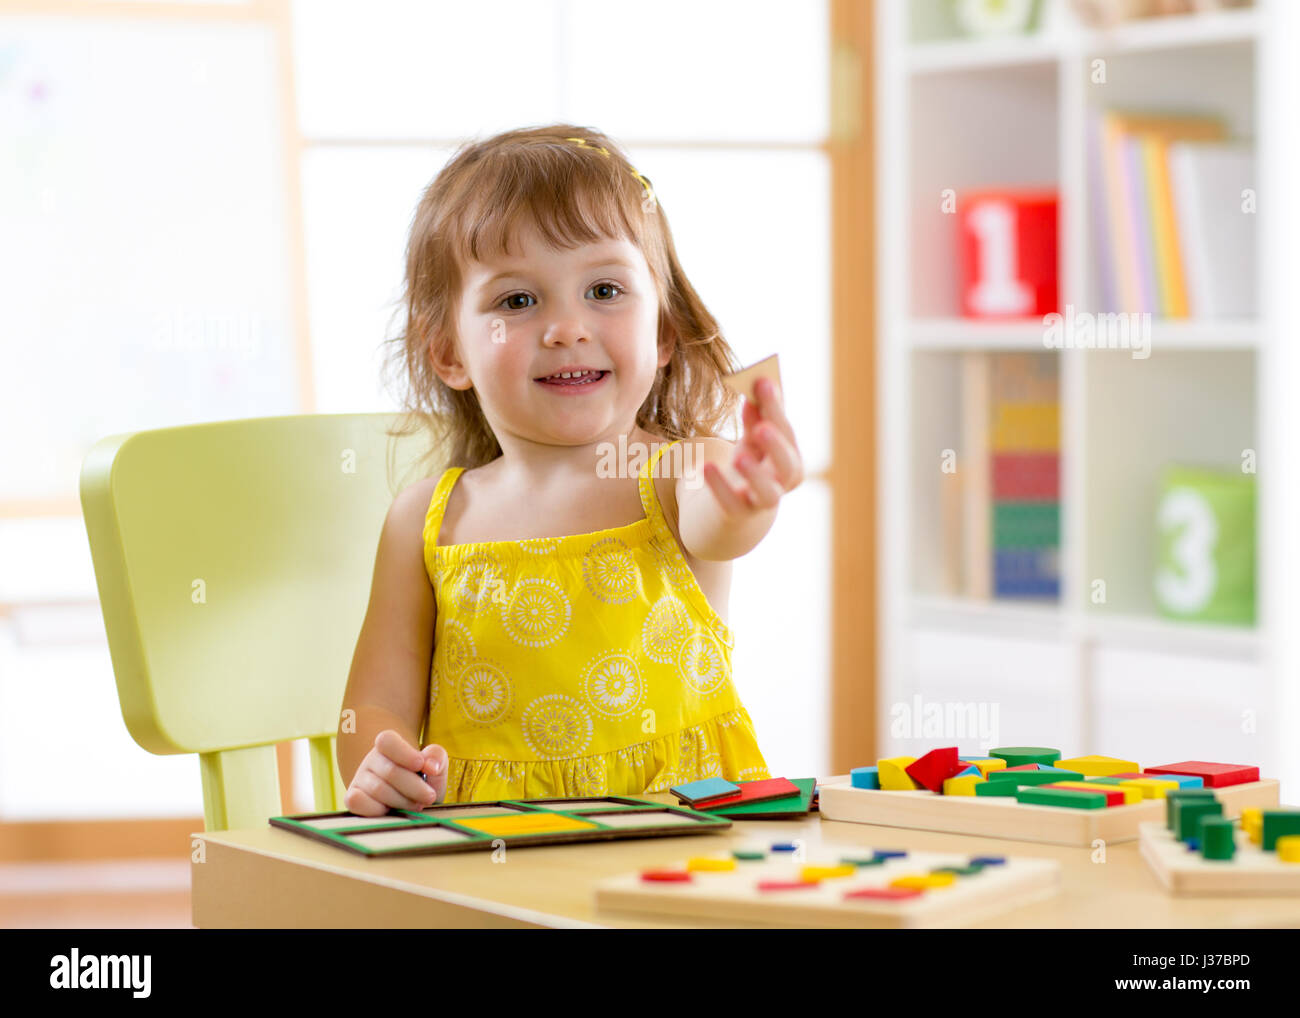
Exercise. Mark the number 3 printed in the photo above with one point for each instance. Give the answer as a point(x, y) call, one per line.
point(1192, 551)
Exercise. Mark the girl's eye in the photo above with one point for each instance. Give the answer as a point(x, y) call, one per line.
point(515, 307)
point(612, 288)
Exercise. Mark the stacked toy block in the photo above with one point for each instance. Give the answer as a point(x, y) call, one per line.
point(1026, 492)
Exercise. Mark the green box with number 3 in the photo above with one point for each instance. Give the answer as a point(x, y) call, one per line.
point(1205, 525)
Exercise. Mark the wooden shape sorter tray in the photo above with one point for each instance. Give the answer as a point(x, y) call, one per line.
point(465, 827)
point(998, 817)
point(982, 890)
point(1251, 871)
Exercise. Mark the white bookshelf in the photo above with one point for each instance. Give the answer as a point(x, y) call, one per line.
point(1117, 678)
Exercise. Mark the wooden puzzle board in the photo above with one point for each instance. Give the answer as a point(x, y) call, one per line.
point(465, 827)
point(1250, 871)
point(734, 895)
point(999, 817)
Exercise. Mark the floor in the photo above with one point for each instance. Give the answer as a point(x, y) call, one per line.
point(134, 894)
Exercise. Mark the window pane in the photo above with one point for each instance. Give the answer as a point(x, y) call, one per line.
point(780, 616)
point(710, 70)
point(358, 204)
point(768, 283)
point(143, 254)
point(421, 69)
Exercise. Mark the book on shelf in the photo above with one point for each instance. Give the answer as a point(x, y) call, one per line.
point(1172, 236)
point(1010, 498)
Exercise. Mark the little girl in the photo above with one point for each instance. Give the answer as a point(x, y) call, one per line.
point(545, 616)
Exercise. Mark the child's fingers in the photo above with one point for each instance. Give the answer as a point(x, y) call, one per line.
point(385, 792)
point(767, 491)
point(772, 408)
point(435, 770)
point(362, 803)
point(391, 744)
point(787, 465)
point(731, 501)
point(404, 781)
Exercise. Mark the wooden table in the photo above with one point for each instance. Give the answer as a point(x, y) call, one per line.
point(270, 878)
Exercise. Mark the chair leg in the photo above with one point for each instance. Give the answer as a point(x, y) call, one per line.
point(241, 787)
point(326, 781)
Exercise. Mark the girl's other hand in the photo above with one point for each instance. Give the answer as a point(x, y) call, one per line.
point(767, 457)
point(389, 777)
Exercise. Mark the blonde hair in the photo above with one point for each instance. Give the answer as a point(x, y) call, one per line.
point(574, 194)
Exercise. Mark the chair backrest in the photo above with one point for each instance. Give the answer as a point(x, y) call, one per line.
point(234, 562)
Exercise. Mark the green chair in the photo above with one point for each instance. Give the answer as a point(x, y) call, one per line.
point(234, 562)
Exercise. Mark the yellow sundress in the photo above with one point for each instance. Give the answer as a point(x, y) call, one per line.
point(590, 664)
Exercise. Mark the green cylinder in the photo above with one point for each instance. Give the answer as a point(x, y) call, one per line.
point(1017, 755)
point(1188, 815)
point(1218, 838)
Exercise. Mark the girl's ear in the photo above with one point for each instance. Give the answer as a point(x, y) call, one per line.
point(445, 358)
point(667, 341)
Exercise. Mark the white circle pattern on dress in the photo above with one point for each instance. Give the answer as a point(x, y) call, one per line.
point(701, 664)
point(610, 571)
point(666, 625)
point(612, 684)
point(537, 612)
point(556, 726)
point(484, 692)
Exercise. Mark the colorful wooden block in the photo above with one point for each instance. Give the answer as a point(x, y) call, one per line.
point(924, 881)
point(666, 876)
point(1184, 780)
point(1188, 814)
point(786, 885)
point(1252, 822)
point(1288, 848)
point(987, 765)
point(893, 774)
point(701, 791)
point(1099, 766)
point(1067, 797)
point(885, 893)
point(1127, 796)
point(1016, 756)
point(969, 770)
point(1172, 800)
point(1113, 796)
point(1011, 776)
point(708, 864)
point(865, 777)
point(962, 784)
point(763, 790)
point(1218, 838)
point(1007, 253)
point(1151, 788)
point(827, 872)
point(1215, 775)
point(1278, 823)
point(934, 768)
point(1007, 789)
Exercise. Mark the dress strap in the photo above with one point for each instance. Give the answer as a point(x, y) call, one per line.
point(649, 498)
point(438, 504)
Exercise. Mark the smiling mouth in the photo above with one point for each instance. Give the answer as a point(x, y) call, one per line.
point(573, 378)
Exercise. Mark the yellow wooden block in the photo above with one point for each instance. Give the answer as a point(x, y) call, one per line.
point(993, 763)
point(708, 863)
point(924, 880)
point(527, 823)
point(1288, 848)
point(1151, 788)
point(1252, 822)
point(1098, 766)
point(963, 784)
point(1131, 795)
point(892, 776)
point(826, 872)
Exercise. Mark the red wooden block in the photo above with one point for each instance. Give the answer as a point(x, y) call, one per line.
point(1214, 775)
point(1008, 254)
point(667, 876)
point(889, 893)
point(1025, 475)
point(1115, 798)
point(785, 885)
point(1022, 767)
point(752, 791)
point(936, 767)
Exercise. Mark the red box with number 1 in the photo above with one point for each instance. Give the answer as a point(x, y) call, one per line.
point(1007, 248)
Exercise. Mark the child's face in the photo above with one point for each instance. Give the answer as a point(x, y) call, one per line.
point(544, 310)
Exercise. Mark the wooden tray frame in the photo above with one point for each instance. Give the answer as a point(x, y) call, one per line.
point(1187, 873)
point(1002, 817)
point(594, 808)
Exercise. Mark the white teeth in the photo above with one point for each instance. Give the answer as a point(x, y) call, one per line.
point(573, 374)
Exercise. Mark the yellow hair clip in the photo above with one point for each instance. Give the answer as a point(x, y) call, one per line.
point(645, 182)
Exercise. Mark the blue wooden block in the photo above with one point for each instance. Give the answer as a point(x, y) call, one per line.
point(782, 846)
point(882, 854)
point(969, 770)
point(987, 860)
point(865, 777)
point(1184, 780)
point(709, 788)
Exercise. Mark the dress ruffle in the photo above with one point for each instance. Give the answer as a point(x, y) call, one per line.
point(723, 746)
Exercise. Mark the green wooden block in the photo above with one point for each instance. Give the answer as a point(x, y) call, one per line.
point(1004, 788)
point(1105, 781)
point(961, 871)
point(1205, 565)
point(1061, 797)
point(1279, 822)
point(1017, 755)
point(1026, 524)
point(1188, 814)
point(1033, 777)
point(1172, 798)
point(1218, 838)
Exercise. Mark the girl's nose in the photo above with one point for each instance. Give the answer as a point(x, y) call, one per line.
point(563, 333)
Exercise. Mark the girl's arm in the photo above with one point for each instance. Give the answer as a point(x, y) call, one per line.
point(389, 681)
point(719, 521)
